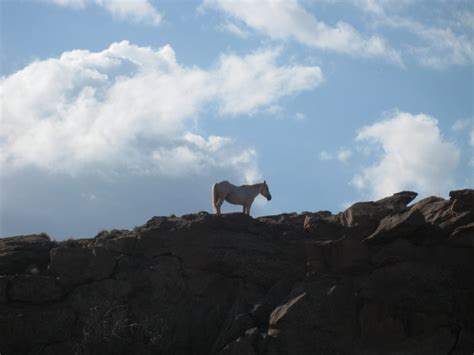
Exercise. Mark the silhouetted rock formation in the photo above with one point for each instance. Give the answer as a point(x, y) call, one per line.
point(380, 277)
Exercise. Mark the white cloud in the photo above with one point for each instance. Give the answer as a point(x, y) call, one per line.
point(461, 125)
point(380, 7)
point(133, 107)
point(194, 154)
point(285, 20)
point(75, 4)
point(443, 47)
point(414, 156)
point(440, 43)
point(249, 82)
point(344, 155)
point(141, 11)
point(233, 28)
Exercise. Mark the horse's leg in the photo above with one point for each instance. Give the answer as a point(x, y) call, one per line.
point(248, 208)
point(244, 209)
point(219, 203)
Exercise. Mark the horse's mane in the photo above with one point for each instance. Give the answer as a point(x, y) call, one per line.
point(252, 185)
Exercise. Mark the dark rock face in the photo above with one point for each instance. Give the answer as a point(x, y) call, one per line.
point(463, 200)
point(463, 236)
point(381, 277)
point(78, 265)
point(33, 288)
point(18, 254)
point(397, 226)
point(448, 214)
point(364, 217)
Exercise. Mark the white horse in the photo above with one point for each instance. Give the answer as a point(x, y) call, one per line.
point(237, 195)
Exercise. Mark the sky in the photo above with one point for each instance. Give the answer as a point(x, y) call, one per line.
point(116, 111)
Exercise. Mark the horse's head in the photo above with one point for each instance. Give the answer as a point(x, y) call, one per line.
point(265, 191)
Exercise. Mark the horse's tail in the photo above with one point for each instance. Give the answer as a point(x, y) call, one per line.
point(214, 198)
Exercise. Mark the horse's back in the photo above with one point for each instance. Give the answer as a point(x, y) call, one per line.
point(222, 187)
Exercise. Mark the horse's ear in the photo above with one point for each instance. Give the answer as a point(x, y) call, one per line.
point(265, 182)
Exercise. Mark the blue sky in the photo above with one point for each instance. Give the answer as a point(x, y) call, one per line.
point(116, 111)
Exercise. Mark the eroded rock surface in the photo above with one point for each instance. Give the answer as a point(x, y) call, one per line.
point(380, 277)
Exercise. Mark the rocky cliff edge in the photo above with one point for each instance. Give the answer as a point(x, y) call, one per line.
point(380, 277)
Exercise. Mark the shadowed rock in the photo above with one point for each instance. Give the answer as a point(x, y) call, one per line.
point(19, 253)
point(78, 265)
point(463, 236)
point(463, 200)
point(33, 288)
point(448, 214)
point(403, 225)
point(364, 217)
point(3, 289)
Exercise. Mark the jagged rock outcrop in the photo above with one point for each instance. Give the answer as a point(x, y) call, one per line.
point(380, 277)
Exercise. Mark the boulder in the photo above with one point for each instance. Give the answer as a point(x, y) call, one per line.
point(439, 212)
point(403, 225)
point(34, 289)
point(363, 218)
point(18, 254)
point(462, 200)
point(398, 201)
point(428, 201)
point(74, 266)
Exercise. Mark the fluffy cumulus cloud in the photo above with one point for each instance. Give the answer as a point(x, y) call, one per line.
point(284, 20)
point(134, 107)
point(413, 155)
point(250, 82)
point(140, 11)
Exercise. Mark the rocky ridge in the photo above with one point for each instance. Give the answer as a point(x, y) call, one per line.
point(382, 276)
